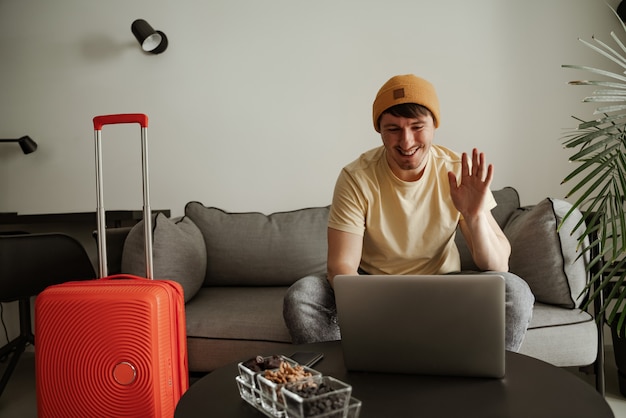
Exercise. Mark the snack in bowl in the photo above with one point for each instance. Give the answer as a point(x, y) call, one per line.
point(318, 396)
point(260, 363)
point(270, 383)
point(261, 379)
point(286, 373)
point(250, 368)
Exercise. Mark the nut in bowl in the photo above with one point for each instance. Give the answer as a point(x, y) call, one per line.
point(317, 397)
point(271, 382)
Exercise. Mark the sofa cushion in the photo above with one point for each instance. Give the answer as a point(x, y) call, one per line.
point(178, 250)
point(550, 316)
point(562, 337)
point(253, 249)
point(508, 202)
point(238, 313)
point(544, 255)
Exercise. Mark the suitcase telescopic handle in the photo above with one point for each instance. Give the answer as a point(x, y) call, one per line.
point(122, 118)
point(139, 118)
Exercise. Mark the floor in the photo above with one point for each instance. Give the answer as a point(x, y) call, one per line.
point(616, 400)
point(18, 399)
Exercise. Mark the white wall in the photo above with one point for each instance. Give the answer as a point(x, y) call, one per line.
point(256, 105)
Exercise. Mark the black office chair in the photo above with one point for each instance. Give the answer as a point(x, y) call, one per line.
point(28, 264)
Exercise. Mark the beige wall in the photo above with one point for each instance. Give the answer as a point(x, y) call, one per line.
point(256, 105)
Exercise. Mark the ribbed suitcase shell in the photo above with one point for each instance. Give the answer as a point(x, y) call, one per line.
point(105, 348)
point(115, 346)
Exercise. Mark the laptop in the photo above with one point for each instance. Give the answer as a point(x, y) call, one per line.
point(451, 325)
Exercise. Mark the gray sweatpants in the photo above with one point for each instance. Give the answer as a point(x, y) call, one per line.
point(311, 315)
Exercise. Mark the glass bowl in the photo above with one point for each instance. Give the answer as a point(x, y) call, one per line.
point(318, 396)
point(271, 383)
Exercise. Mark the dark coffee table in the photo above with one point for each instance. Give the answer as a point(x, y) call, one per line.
point(531, 388)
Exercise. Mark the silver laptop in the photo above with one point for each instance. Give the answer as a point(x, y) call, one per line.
point(449, 325)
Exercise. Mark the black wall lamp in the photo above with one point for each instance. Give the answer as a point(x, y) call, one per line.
point(152, 41)
point(27, 144)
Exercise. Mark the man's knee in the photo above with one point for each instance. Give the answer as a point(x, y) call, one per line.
point(304, 290)
point(309, 311)
point(519, 289)
point(519, 296)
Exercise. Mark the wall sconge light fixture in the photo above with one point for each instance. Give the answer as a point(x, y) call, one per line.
point(153, 41)
point(27, 144)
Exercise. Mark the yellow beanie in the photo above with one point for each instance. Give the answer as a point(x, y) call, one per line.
point(406, 89)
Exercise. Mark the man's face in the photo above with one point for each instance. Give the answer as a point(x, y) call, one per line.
point(407, 141)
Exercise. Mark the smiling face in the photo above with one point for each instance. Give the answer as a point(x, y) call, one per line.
point(407, 141)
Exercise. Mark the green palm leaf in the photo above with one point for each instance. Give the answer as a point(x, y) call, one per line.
point(598, 178)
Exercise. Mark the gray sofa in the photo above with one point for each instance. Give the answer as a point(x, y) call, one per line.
point(236, 267)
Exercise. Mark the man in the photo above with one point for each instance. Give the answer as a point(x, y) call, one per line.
point(396, 208)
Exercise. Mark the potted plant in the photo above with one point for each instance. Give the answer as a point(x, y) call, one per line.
point(599, 178)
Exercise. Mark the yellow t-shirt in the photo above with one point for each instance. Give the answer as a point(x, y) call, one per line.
point(407, 227)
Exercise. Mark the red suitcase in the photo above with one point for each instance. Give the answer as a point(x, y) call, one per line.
point(115, 346)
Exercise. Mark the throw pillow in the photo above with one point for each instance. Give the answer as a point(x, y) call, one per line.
point(178, 252)
point(508, 202)
point(544, 255)
point(253, 249)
